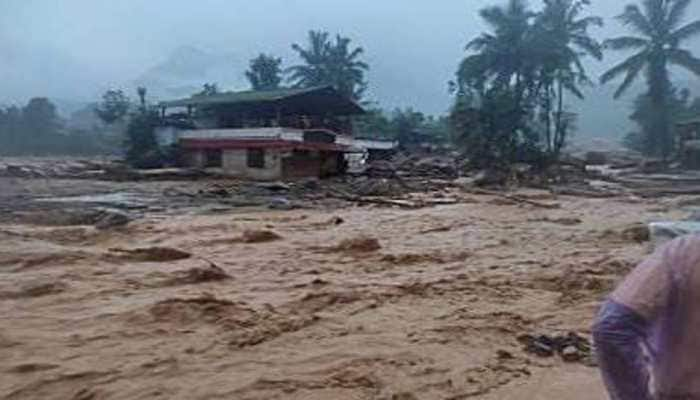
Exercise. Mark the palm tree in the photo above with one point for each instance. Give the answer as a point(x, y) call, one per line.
point(501, 56)
point(346, 69)
point(498, 79)
point(562, 40)
point(330, 63)
point(265, 72)
point(660, 33)
point(312, 71)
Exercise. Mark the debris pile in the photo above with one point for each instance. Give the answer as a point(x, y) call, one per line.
point(571, 347)
point(415, 166)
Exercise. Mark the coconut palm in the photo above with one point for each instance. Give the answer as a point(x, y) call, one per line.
point(657, 45)
point(501, 57)
point(346, 69)
point(265, 72)
point(562, 39)
point(330, 63)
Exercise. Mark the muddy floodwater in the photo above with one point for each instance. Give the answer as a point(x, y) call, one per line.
point(349, 303)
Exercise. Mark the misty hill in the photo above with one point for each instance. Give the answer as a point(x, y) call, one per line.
point(187, 69)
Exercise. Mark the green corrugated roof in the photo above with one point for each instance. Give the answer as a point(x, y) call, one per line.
point(251, 96)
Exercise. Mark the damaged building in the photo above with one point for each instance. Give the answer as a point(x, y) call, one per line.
point(263, 135)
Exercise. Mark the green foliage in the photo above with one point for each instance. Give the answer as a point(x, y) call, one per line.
point(113, 107)
point(208, 89)
point(36, 129)
point(142, 150)
point(409, 127)
point(659, 33)
point(413, 128)
point(523, 68)
point(374, 124)
point(644, 138)
point(493, 136)
point(265, 72)
point(40, 118)
point(332, 63)
point(561, 40)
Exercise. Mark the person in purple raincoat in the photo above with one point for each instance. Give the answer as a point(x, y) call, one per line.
point(647, 334)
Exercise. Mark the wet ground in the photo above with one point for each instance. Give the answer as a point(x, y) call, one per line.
point(349, 303)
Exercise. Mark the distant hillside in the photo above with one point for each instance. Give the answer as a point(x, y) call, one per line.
point(187, 69)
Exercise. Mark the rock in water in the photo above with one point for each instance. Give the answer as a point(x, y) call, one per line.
point(571, 354)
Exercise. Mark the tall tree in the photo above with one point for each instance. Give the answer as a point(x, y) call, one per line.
point(142, 150)
point(313, 70)
point(500, 58)
point(496, 85)
point(40, 118)
point(660, 32)
point(265, 72)
point(346, 69)
point(561, 40)
point(333, 63)
point(681, 106)
point(113, 107)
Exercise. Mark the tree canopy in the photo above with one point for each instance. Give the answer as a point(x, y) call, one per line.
point(265, 72)
point(524, 66)
point(330, 62)
point(658, 32)
point(37, 129)
point(113, 107)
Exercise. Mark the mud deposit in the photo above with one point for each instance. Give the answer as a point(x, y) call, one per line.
point(387, 304)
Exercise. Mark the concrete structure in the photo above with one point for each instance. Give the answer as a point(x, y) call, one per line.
point(282, 134)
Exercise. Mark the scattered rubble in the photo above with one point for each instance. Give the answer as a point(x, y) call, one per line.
point(571, 347)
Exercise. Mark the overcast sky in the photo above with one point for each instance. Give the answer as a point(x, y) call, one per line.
point(74, 48)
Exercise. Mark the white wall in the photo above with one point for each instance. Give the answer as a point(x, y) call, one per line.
point(244, 133)
point(235, 163)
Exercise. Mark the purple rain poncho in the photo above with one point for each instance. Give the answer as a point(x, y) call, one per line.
point(648, 333)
